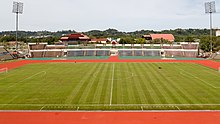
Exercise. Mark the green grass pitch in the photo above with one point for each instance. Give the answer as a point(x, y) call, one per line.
point(110, 86)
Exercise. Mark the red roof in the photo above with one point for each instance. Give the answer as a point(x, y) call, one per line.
point(76, 36)
point(168, 37)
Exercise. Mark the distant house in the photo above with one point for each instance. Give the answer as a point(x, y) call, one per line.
point(168, 37)
point(75, 38)
point(99, 40)
point(217, 33)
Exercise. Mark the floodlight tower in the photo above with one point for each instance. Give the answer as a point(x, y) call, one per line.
point(17, 9)
point(209, 9)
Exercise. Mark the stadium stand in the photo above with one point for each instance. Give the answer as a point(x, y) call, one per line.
point(37, 46)
point(167, 50)
point(125, 53)
point(55, 47)
point(90, 53)
point(37, 54)
point(53, 54)
point(152, 53)
point(102, 53)
point(138, 53)
point(190, 54)
point(5, 55)
point(189, 46)
point(172, 47)
point(75, 53)
point(173, 53)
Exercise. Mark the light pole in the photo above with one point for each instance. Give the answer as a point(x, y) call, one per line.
point(209, 9)
point(17, 9)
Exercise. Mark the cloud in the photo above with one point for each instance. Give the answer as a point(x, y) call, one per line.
point(128, 15)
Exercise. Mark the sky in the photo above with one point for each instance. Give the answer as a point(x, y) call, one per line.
point(123, 15)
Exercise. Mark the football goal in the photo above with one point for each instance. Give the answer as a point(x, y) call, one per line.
point(3, 70)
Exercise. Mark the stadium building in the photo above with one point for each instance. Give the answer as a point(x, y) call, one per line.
point(168, 37)
point(76, 38)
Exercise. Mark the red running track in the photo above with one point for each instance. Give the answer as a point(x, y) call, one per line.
point(109, 117)
point(208, 63)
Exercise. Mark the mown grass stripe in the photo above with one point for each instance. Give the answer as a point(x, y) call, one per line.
point(150, 83)
point(76, 91)
point(84, 98)
point(129, 84)
point(143, 83)
point(101, 81)
point(182, 95)
point(140, 90)
point(199, 86)
point(167, 96)
point(133, 86)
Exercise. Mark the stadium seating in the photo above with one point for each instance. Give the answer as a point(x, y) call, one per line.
point(75, 53)
point(53, 54)
point(190, 54)
point(171, 47)
point(173, 53)
point(190, 46)
point(102, 52)
point(170, 50)
point(151, 53)
point(125, 53)
point(90, 53)
point(37, 46)
point(138, 53)
point(4, 54)
point(37, 54)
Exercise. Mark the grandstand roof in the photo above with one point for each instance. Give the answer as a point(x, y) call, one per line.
point(168, 37)
point(76, 36)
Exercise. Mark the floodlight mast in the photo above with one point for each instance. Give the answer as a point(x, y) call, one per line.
point(210, 8)
point(17, 9)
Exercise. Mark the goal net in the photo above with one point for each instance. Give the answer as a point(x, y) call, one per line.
point(3, 70)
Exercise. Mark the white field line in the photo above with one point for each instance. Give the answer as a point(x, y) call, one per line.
point(44, 72)
point(116, 105)
point(112, 84)
point(177, 107)
point(42, 108)
point(198, 78)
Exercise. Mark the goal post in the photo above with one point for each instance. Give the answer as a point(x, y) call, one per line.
point(3, 70)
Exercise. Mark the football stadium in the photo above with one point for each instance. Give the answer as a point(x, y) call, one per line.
point(110, 78)
point(157, 62)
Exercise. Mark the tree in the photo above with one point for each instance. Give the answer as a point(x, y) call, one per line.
point(126, 40)
point(205, 44)
point(189, 39)
point(140, 41)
